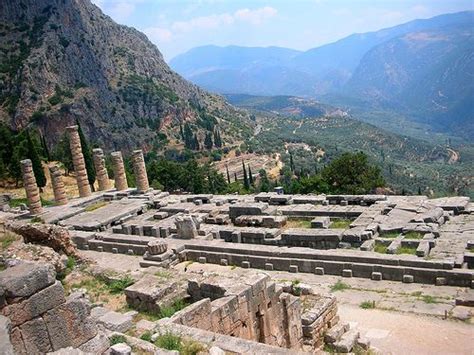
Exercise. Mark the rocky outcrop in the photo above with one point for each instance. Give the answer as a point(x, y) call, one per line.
point(63, 61)
point(50, 235)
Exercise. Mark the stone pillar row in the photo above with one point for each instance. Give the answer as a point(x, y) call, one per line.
point(120, 177)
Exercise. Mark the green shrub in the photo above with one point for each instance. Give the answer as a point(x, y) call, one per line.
point(117, 339)
point(146, 336)
point(367, 305)
point(169, 341)
point(340, 286)
point(117, 286)
point(340, 224)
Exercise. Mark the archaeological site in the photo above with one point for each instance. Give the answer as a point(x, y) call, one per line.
point(136, 270)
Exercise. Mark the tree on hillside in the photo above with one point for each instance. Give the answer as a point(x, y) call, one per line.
point(264, 185)
point(87, 153)
point(228, 176)
point(208, 141)
point(36, 161)
point(62, 153)
point(246, 180)
point(44, 146)
point(352, 173)
point(292, 164)
point(217, 138)
point(251, 182)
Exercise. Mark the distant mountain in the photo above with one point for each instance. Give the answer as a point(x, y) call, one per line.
point(64, 60)
point(423, 68)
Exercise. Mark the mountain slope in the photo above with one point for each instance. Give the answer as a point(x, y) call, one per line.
point(64, 60)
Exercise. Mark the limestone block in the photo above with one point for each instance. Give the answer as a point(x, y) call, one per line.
point(423, 248)
point(35, 336)
point(364, 343)
point(268, 266)
point(368, 245)
point(246, 264)
point(5, 329)
point(17, 341)
point(187, 227)
point(293, 268)
point(97, 345)
point(347, 273)
point(42, 301)
point(408, 279)
point(441, 281)
point(395, 245)
point(70, 324)
point(320, 222)
point(376, 276)
point(347, 341)
point(319, 271)
point(335, 333)
point(224, 262)
point(115, 321)
point(202, 259)
point(25, 279)
point(120, 349)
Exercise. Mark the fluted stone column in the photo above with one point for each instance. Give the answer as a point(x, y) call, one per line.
point(119, 171)
point(100, 169)
point(58, 185)
point(78, 162)
point(139, 169)
point(32, 191)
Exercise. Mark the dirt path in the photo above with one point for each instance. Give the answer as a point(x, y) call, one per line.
point(453, 156)
point(395, 333)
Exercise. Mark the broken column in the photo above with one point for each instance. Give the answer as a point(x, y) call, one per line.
point(139, 169)
point(119, 171)
point(78, 162)
point(32, 191)
point(100, 169)
point(187, 227)
point(58, 185)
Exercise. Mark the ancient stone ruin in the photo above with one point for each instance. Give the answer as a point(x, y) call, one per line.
point(408, 239)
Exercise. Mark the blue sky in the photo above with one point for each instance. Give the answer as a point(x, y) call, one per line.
point(179, 25)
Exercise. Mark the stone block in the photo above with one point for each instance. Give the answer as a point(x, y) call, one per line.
point(293, 268)
point(408, 279)
point(269, 266)
point(224, 262)
point(36, 305)
point(368, 245)
point(246, 264)
point(347, 273)
point(347, 341)
point(202, 259)
point(364, 343)
point(25, 279)
point(97, 345)
point(114, 250)
point(120, 349)
point(115, 321)
point(35, 336)
point(5, 329)
point(336, 332)
point(441, 281)
point(70, 324)
point(376, 276)
point(319, 271)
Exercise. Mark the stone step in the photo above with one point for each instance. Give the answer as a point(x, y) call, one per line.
point(335, 333)
point(347, 341)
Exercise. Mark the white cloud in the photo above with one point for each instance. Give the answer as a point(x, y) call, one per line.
point(119, 10)
point(255, 17)
point(158, 34)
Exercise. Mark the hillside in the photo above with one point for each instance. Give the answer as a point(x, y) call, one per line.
point(62, 61)
point(420, 69)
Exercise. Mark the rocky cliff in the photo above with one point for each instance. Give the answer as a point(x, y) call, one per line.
point(64, 60)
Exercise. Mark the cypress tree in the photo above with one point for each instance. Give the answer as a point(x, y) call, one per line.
point(250, 177)
point(188, 137)
point(217, 138)
point(196, 143)
point(87, 152)
point(246, 180)
point(235, 177)
point(36, 162)
point(292, 165)
point(208, 141)
point(228, 176)
point(45, 148)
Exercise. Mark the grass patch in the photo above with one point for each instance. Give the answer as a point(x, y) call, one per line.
point(340, 224)
point(95, 206)
point(117, 339)
point(146, 336)
point(16, 202)
point(37, 219)
point(389, 235)
point(171, 341)
point(179, 304)
point(380, 248)
point(414, 235)
point(164, 274)
point(117, 286)
point(6, 240)
point(407, 250)
point(429, 299)
point(70, 265)
point(298, 223)
point(367, 305)
point(340, 286)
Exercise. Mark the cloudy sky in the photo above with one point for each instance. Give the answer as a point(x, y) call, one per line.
point(176, 26)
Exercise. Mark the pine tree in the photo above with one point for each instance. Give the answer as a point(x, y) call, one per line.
point(246, 180)
point(292, 165)
point(228, 176)
point(188, 137)
point(36, 162)
point(87, 153)
point(208, 141)
point(250, 177)
point(196, 145)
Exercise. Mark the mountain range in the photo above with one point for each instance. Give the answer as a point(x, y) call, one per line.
point(423, 68)
point(64, 61)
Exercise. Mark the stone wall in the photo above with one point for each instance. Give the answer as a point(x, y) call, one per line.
point(252, 308)
point(38, 316)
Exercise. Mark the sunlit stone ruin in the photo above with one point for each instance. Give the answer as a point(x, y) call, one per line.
point(408, 239)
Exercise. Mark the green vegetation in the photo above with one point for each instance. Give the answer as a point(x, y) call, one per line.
point(87, 153)
point(171, 341)
point(340, 224)
point(367, 305)
point(146, 336)
point(117, 286)
point(117, 339)
point(298, 223)
point(389, 235)
point(406, 250)
point(94, 206)
point(168, 311)
point(380, 248)
point(340, 286)
point(70, 265)
point(6, 240)
point(414, 235)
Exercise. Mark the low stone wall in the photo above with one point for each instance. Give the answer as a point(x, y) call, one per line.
point(39, 318)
